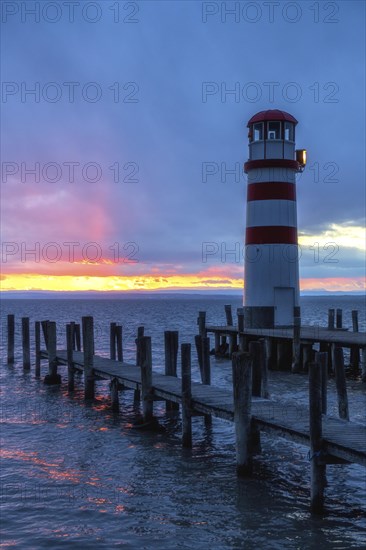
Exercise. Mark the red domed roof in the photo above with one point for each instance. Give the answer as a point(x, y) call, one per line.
point(272, 114)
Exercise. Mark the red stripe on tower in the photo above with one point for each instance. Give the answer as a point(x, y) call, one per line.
point(271, 234)
point(277, 190)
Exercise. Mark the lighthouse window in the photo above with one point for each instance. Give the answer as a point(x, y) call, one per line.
point(257, 132)
point(274, 130)
point(289, 131)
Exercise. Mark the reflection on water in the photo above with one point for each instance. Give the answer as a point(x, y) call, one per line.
point(81, 475)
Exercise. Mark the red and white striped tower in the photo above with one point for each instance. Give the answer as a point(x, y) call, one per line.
point(271, 250)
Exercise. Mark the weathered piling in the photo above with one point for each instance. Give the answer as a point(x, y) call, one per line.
point(77, 332)
point(284, 355)
point(201, 322)
point(255, 352)
point(26, 343)
point(119, 342)
point(70, 327)
point(240, 314)
point(264, 367)
point(186, 396)
point(363, 365)
point(296, 367)
point(340, 378)
point(52, 377)
point(331, 319)
point(37, 343)
point(44, 326)
point(229, 315)
point(317, 473)
point(355, 354)
point(171, 338)
point(146, 378)
point(217, 343)
point(11, 338)
point(242, 389)
point(88, 348)
point(321, 359)
point(339, 323)
point(140, 335)
point(114, 387)
point(307, 356)
point(112, 341)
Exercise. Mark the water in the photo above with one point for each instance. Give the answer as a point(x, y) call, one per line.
point(79, 476)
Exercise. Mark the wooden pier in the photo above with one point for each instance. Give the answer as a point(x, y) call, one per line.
point(330, 440)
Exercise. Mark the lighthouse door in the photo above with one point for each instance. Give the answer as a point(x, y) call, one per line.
point(284, 298)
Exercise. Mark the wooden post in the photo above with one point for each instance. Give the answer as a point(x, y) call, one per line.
point(264, 367)
point(339, 318)
point(186, 395)
point(171, 357)
point(146, 379)
point(88, 348)
point(112, 341)
point(11, 338)
point(52, 377)
point(330, 319)
point(229, 315)
point(44, 326)
point(37, 340)
point(321, 359)
point(284, 355)
point(140, 335)
point(296, 346)
point(255, 352)
point(114, 385)
point(118, 331)
point(78, 336)
point(242, 388)
point(70, 352)
point(316, 462)
point(340, 377)
point(26, 343)
point(232, 344)
point(355, 354)
point(201, 322)
point(240, 313)
point(198, 342)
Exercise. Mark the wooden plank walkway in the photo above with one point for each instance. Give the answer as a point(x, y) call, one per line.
point(308, 334)
point(343, 440)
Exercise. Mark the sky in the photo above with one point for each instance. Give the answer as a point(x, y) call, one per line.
point(123, 138)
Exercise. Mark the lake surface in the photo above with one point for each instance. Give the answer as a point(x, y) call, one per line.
point(81, 477)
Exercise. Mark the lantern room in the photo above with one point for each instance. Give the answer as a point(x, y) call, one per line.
point(272, 135)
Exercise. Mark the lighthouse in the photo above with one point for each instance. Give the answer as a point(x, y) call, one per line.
point(271, 297)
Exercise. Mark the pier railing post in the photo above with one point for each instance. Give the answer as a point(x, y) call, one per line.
point(229, 315)
point(340, 378)
point(112, 341)
point(186, 395)
point(26, 343)
point(37, 341)
point(119, 333)
point(171, 338)
point(240, 314)
point(330, 319)
point(140, 335)
point(146, 379)
point(339, 318)
point(317, 472)
point(201, 322)
point(70, 352)
point(88, 348)
point(52, 377)
point(355, 353)
point(242, 389)
point(11, 338)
